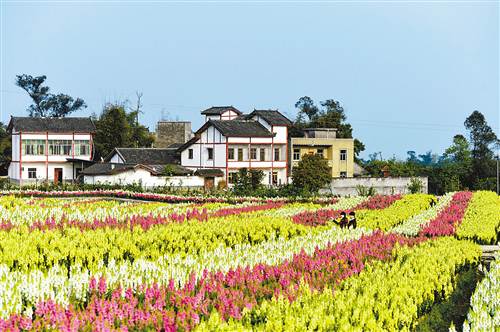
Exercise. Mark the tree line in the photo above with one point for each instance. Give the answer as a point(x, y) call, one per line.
point(469, 162)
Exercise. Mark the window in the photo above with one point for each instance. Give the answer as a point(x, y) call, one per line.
point(210, 153)
point(343, 154)
point(60, 147)
point(33, 147)
point(253, 153)
point(240, 154)
point(296, 154)
point(275, 178)
point(276, 154)
point(232, 177)
point(230, 154)
point(343, 174)
point(319, 152)
point(190, 154)
point(82, 148)
point(262, 154)
point(31, 173)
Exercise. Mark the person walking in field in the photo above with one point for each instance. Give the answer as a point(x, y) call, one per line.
point(352, 221)
point(343, 220)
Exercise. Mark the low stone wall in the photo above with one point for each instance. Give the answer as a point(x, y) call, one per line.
point(386, 186)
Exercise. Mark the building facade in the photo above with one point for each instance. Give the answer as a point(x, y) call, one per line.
point(230, 141)
point(169, 133)
point(323, 141)
point(49, 149)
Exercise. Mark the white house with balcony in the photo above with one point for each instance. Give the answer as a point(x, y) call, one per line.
point(230, 141)
point(49, 149)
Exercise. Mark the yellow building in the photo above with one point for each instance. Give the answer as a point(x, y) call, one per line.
point(323, 141)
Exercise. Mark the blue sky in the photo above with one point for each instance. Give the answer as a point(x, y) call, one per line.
point(407, 73)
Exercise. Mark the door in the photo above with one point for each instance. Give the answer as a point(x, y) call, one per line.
point(209, 183)
point(58, 175)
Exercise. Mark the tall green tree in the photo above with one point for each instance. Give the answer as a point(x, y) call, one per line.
point(457, 164)
point(113, 130)
point(482, 139)
point(118, 129)
point(46, 104)
point(311, 174)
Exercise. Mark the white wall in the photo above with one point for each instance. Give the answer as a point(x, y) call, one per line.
point(386, 186)
point(116, 159)
point(143, 177)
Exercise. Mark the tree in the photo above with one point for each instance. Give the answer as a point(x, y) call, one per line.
point(311, 174)
point(457, 164)
point(140, 136)
point(46, 104)
point(117, 128)
point(247, 182)
point(482, 138)
point(113, 130)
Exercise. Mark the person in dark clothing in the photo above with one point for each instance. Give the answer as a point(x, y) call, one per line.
point(343, 220)
point(433, 202)
point(352, 221)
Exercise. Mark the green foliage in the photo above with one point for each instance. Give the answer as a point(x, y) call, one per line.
point(415, 186)
point(117, 128)
point(453, 309)
point(247, 182)
point(168, 170)
point(365, 191)
point(46, 104)
point(311, 174)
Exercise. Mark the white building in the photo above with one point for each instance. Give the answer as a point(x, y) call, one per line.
point(229, 141)
point(141, 166)
point(49, 149)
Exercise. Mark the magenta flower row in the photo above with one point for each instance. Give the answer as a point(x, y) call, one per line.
point(450, 217)
point(170, 309)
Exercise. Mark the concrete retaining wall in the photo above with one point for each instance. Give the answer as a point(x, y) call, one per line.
point(386, 186)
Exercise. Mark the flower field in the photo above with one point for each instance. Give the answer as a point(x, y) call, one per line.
point(76, 262)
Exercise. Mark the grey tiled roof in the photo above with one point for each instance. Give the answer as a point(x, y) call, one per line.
point(146, 156)
point(114, 168)
point(274, 118)
point(238, 128)
point(218, 110)
point(53, 125)
point(106, 168)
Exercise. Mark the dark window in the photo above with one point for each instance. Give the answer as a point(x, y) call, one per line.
point(343, 154)
point(31, 173)
point(275, 178)
point(253, 153)
point(276, 154)
point(240, 154)
point(210, 153)
point(343, 174)
point(296, 154)
point(232, 177)
point(230, 154)
point(319, 152)
point(190, 153)
point(262, 154)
